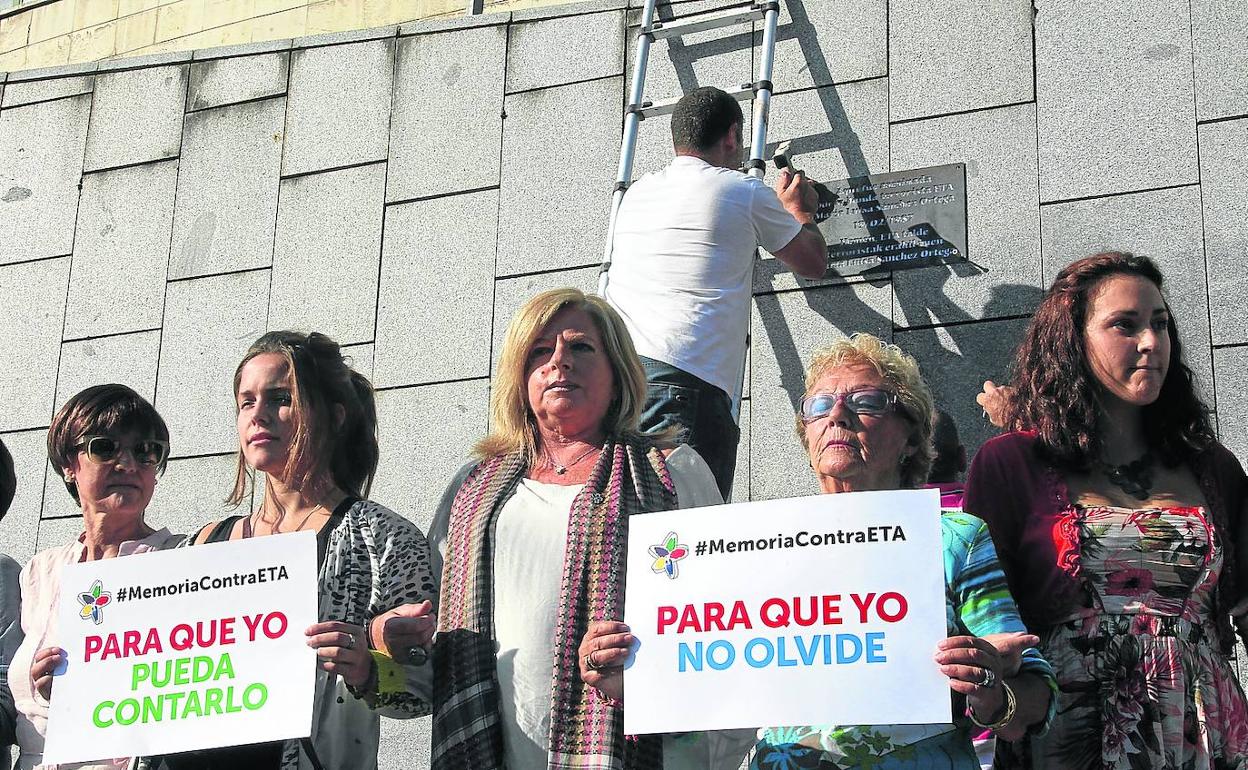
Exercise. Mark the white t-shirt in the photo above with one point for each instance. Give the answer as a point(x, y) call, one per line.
point(532, 529)
point(682, 264)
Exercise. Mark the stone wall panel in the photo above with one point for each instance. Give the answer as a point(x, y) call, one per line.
point(958, 55)
point(41, 148)
point(955, 361)
point(125, 217)
point(136, 116)
point(447, 79)
point(127, 359)
point(1002, 219)
point(426, 434)
point(1223, 169)
point(30, 463)
point(31, 91)
point(564, 49)
point(32, 315)
point(436, 293)
point(1230, 367)
point(191, 492)
point(1133, 130)
point(820, 43)
point(327, 251)
point(339, 106)
point(555, 196)
point(227, 189)
point(218, 82)
point(1221, 58)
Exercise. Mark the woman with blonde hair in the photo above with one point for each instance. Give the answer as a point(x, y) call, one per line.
point(534, 534)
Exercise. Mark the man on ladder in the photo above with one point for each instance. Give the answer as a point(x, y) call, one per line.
point(682, 265)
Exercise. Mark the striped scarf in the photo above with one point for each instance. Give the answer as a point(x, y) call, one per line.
point(586, 732)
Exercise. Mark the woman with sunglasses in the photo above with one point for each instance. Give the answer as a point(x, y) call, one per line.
point(107, 444)
point(866, 424)
point(308, 422)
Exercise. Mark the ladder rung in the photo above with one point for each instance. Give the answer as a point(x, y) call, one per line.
point(667, 107)
point(684, 25)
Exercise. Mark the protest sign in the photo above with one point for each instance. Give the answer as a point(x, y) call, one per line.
point(185, 649)
point(814, 610)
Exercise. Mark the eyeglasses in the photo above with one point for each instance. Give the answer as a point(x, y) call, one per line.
point(104, 449)
point(872, 401)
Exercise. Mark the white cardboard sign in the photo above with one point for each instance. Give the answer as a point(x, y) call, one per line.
point(807, 611)
point(185, 649)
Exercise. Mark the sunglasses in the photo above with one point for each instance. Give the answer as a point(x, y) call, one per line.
point(872, 401)
point(104, 449)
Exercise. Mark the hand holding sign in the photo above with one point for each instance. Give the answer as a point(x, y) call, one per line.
point(605, 648)
point(341, 649)
point(45, 663)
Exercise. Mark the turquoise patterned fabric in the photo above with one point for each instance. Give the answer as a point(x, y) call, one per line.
point(977, 602)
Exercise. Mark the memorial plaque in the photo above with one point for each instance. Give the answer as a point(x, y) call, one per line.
point(896, 221)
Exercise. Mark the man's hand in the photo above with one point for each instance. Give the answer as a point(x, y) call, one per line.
point(797, 195)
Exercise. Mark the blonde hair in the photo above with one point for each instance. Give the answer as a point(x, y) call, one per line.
point(512, 425)
point(901, 373)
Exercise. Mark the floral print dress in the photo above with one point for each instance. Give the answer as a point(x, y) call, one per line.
point(1141, 683)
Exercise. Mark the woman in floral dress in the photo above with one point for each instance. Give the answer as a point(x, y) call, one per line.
point(1114, 512)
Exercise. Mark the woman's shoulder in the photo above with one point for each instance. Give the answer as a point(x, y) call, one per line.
point(1221, 460)
point(1016, 445)
point(381, 520)
point(45, 566)
point(961, 530)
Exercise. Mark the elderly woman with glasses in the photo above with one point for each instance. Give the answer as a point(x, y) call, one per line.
point(107, 444)
point(866, 424)
point(534, 536)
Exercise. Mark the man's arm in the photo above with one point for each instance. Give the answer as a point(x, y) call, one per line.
point(807, 253)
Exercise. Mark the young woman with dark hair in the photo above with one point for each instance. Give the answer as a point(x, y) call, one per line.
point(308, 422)
point(1114, 511)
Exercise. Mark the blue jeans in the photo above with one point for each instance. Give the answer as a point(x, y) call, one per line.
point(703, 411)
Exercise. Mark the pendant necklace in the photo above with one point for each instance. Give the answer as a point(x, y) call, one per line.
point(1135, 478)
point(562, 468)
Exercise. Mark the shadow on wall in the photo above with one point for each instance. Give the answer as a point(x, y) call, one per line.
point(956, 354)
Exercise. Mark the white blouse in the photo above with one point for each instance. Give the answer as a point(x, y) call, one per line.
point(41, 592)
point(531, 532)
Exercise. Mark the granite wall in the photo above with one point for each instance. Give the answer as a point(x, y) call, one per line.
point(405, 189)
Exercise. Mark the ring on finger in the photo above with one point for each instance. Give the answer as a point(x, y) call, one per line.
point(590, 665)
point(989, 680)
point(417, 655)
point(350, 643)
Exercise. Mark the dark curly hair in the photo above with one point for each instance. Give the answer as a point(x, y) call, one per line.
point(321, 379)
point(1056, 395)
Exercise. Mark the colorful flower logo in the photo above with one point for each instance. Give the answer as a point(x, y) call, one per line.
point(93, 602)
point(667, 553)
